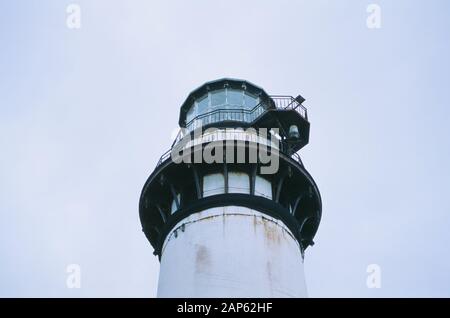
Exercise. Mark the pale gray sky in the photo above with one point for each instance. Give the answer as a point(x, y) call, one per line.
point(86, 113)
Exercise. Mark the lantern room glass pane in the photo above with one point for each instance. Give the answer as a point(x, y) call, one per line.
point(202, 105)
point(250, 100)
point(190, 114)
point(218, 98)
point(235, 97)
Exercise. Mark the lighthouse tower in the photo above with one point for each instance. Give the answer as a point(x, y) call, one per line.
point(230, 209)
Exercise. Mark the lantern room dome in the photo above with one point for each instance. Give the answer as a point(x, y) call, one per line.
point(224, 100)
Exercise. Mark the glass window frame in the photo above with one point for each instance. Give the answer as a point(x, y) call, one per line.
point(226, 105)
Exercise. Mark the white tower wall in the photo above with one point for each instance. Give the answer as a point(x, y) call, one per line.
point(231, 251)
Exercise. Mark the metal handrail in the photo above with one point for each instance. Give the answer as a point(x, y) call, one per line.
point(289, 102)
point(166, 155)
point(297, 158)
point(279, 101)
point(250, 115)
point(221, 114)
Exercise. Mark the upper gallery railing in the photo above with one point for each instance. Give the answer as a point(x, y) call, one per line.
point(243, 115)
point(246, 115)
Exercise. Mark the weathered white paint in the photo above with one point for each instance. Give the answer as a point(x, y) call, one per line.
point(231, 252)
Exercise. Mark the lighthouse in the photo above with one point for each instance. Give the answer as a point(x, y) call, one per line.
point(230, 208)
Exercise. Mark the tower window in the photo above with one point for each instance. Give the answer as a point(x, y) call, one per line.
point(263, 187)
point(231, 102)
point(250, 100)
point(218, 98)
point(235, 97)
point(202, 104)
point(238, 182)
point(213, 184)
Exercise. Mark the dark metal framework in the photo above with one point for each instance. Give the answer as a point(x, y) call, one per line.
point(266, 114)
point(296, 199)
point(249, 116)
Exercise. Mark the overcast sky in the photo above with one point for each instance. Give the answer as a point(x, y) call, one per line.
point(86, 113)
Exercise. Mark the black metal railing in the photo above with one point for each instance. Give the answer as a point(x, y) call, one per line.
point(294, 155)
point(247, 115)
point(164, 157)
point(242, 115)
point(289, 102)
point(226, 114)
